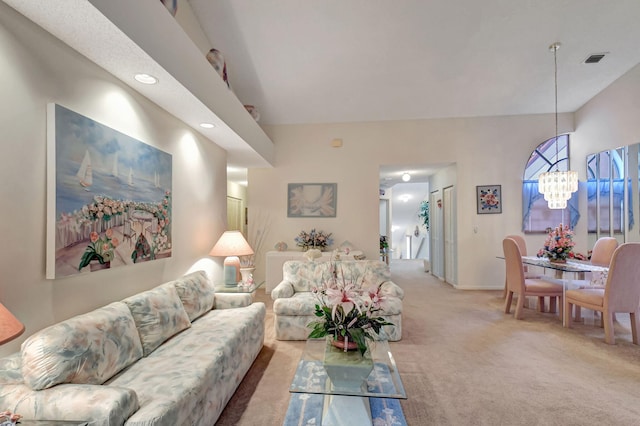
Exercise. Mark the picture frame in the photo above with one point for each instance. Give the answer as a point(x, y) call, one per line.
point(489, 199)
point(109, 197)
point(312, 199)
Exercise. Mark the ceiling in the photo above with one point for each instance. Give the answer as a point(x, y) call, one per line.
point(346, 61)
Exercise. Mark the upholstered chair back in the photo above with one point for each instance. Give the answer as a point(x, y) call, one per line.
point(514, 268)
point(622, 292)
point(603, 251)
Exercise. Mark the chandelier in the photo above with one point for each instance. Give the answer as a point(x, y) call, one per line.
point(557, 186)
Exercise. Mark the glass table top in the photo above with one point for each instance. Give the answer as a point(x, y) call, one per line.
point(324, 369)
point(240, 288)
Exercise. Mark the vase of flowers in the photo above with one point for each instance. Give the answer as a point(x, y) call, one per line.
point(313, 239)
point(558, 246)
point(348, 309)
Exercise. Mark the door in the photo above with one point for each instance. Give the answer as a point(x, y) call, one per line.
point(234, 214)
point(449, 235)
point(435, 235)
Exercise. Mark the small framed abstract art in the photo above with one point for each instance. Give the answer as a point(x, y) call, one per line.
point(312, 199)
point(489, 199)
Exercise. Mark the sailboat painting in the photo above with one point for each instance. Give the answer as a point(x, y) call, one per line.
point(108, 197)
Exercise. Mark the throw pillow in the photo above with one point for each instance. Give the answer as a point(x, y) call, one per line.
point(85, 349)
point(196, 293)
point(158, 314)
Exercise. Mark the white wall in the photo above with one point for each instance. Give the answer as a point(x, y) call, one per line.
point(36, 69)
point(486, 151)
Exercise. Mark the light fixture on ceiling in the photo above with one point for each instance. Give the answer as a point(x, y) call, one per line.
point(207, 125)
point(406, 177)
point(145, 78)
point(557, 186)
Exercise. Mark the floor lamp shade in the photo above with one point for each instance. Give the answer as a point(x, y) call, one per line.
point(10, 327)
point(231, 245)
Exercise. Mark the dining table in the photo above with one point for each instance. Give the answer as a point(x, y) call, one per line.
point(567, 273)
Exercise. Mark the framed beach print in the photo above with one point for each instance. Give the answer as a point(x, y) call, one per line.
point(312, 199)
point(489, 199)
point(108, 197)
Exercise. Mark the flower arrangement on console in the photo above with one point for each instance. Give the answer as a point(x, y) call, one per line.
point(558, 246)
point(313, 239)
point(100, 248)
point(348, 307)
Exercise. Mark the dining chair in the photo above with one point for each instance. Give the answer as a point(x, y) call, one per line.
point(523, 287)
point(600, 256)
point(522, 245)
point(621, 293)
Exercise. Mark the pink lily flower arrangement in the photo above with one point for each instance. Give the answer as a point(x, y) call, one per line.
point(348, 308)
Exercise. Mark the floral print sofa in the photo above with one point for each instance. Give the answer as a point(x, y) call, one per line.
point(172, 355)
point(294, 303)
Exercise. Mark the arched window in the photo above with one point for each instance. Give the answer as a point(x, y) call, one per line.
point(550, 155)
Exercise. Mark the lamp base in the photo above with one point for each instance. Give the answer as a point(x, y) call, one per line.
point(232, 274)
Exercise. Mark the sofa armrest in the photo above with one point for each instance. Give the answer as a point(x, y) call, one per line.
point(100, 405)
point(282, 291)
point(389, 288)
point(232, 300)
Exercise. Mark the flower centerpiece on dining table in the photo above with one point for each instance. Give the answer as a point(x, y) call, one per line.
point(558, 246)
point(313, 239)
point(348, 307)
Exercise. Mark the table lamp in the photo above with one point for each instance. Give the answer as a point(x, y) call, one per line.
point(10, 327)
point(231, 244)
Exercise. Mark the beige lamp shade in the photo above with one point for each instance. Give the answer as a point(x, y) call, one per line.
point(10, 327)
point(231, 245)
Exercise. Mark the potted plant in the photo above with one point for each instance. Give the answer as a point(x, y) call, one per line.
point(347, 309)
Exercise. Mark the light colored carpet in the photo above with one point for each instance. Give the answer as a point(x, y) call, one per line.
point(464, 362)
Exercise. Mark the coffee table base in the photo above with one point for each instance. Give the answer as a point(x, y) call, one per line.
point(341, 410)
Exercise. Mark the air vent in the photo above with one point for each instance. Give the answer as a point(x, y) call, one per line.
point(595, 58)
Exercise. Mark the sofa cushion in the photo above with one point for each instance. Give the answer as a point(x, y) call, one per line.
point(158, 314)
point(86, 349)
point(196, 293)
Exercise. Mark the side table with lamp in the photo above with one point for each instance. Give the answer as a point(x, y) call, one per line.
point(232, 244)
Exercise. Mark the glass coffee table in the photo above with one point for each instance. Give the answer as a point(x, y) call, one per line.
point(347, 380)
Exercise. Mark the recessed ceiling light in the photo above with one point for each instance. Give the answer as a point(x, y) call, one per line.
point(146, 78)
point(207, 125)
point(406, 177)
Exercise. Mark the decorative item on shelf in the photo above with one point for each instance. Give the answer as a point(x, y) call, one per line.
point(312, 254)
point(247, 274)
point(100, 249)
point(171, 5)
point(348, 306)
point(231, 245)
point(557, 186)
point(253, 111)
point(7, 418)
point(216, 58)
point(281, 246)
point(558, 246)
point(313, 239)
